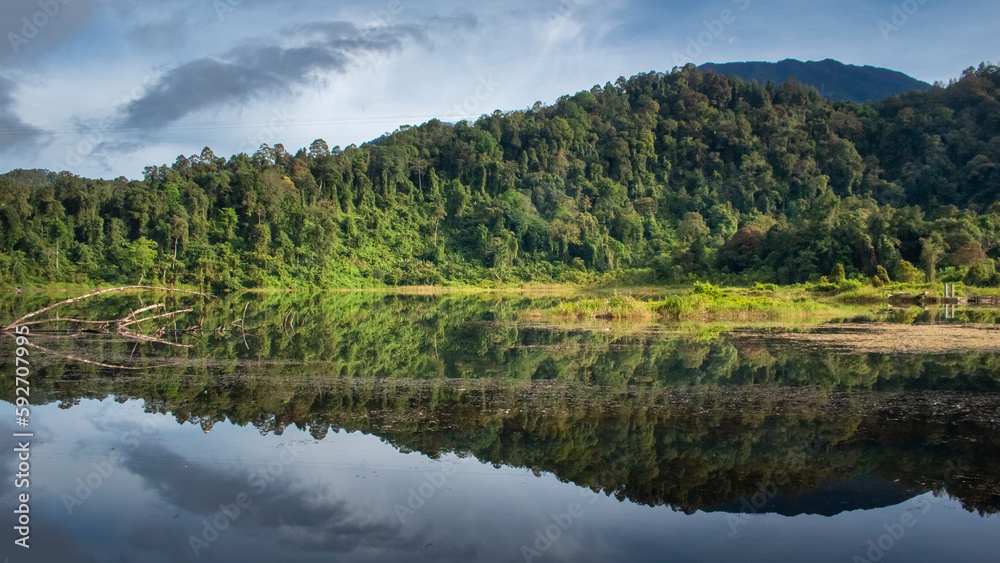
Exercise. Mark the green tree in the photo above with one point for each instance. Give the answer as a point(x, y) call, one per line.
point(906, 272)
point(932, 249)
point(981, 273)
point(882, 276)
point(140, 257)
point(837, 274)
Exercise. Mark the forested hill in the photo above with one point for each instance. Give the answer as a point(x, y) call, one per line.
point(833, 79)
point(690, 174)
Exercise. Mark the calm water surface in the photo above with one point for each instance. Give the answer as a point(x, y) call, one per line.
point(373, 427)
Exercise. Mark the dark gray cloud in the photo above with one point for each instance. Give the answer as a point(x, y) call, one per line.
point(252, 72)
point(14, 132)
point(32, 29)
point(296, 517)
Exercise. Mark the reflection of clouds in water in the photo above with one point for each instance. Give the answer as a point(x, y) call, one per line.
point(125, 434)
point(7, 467)
point(156, 539)
point(288, 514)
point(48, 541)
point(147, 510)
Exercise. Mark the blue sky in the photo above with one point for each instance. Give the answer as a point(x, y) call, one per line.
point(105, 87)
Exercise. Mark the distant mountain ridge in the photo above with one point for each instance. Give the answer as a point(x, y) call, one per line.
point(833, 79)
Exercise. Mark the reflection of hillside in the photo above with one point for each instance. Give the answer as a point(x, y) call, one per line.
point(691, 418)
point(690, 449)
point(861, 492)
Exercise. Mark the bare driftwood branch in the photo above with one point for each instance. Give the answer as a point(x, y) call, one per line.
point(131, 314)
point(243, 326)
point(144, 338)
point(103, 291)
point(136, 321)
point(239, 323)
point(143, 310)
point(119, 324)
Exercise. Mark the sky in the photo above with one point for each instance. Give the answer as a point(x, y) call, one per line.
point(103, 88)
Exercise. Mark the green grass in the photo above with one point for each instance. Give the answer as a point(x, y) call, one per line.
point(704, 302)
point(728, 305)
point(617, 306)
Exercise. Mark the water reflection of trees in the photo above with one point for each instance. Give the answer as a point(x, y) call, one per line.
point(690, 418)
point(488, 335)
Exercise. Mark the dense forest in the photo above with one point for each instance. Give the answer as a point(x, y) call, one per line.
point(680, 175)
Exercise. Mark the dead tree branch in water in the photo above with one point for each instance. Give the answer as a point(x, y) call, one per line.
point(145, 338)
point(96, 293)
point(121, 326)
point(142, 320)
point(143, 310)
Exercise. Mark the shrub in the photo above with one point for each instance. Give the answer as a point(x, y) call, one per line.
point(823, 285)
point(981, 273)
point(881, 276)
point(905, 272)
point(707, 289)
point(850, 285)
point(837, 274)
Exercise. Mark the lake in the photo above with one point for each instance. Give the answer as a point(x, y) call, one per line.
point(367, 426)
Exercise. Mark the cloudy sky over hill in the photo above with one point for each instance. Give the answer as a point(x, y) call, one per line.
point(100, 87)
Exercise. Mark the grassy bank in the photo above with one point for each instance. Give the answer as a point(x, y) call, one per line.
point(762, 301)
point(704, 301)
